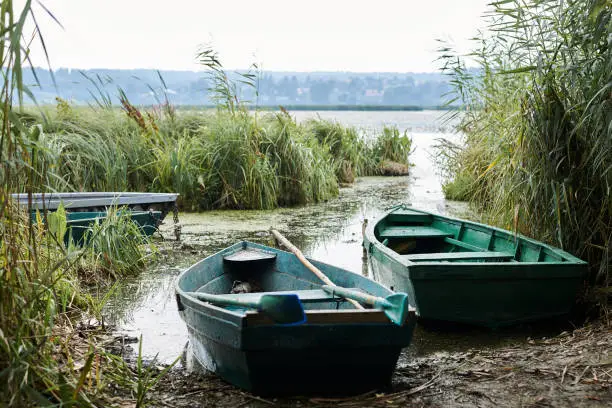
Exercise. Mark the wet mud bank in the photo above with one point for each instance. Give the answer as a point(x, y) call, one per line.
point(572, 369)
point(543, 364)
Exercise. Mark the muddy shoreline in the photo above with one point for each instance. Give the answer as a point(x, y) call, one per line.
point(572, 369)
point(543, 364)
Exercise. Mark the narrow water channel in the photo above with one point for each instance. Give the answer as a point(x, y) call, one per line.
point(329, 232)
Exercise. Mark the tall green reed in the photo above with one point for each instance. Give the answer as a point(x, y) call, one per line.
point(344, 146)
point(537, 125)
point(27, 302)
point(40, 286)
point(304, 170)
point(213, 159)
point(354, 155)
point(224, 159)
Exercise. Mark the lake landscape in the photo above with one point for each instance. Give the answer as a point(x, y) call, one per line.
point(238, 205)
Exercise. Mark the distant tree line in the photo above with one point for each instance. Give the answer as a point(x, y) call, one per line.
point(148, 87)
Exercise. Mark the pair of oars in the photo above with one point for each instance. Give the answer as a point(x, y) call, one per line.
point(395, 306)
point(284, 309)
point(287, 308)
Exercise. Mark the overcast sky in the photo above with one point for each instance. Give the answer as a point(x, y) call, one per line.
point(314, 35)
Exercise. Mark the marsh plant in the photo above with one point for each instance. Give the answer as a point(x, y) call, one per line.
point(213, 159)
point(228, 157)
point(44, 283)
point(354, 155)
point(537, 118)
point(223, 158)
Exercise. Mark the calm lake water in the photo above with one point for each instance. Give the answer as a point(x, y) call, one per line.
point(329, 232)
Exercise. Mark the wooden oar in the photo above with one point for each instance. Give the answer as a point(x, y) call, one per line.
point(284, 309)
point(395, 306)
point(285, 242)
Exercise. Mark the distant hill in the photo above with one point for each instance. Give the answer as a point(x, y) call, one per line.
point(144, 87)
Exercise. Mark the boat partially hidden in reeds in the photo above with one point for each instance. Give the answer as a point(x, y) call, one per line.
point(98, 201)
point(460, 271)
point(79, 223)
point(82, 210)
point(332, 348)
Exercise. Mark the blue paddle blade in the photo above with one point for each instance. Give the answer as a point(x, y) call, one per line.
point(397, 308)
point(283, 309)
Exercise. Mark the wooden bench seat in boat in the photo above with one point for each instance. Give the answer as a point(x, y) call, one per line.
point(406, 215)
point(249, 255)
point(413, 232)
point(465, 245)
point(451, 256)
point(306, 296)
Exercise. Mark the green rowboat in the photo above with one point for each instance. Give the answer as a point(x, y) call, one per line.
point(78, 223)
point(338, 349)
point(461, 271)
point(97, 201)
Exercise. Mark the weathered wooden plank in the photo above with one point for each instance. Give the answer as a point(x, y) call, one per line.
point(246, 255)
point(344, 316)
point(52, 201)
point(413, 232)
point(306, 296)
point(449, 256)
point(405, 215)
point(464, 245)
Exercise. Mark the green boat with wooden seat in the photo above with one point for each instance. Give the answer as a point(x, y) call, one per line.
point(260, 319)
point(79, 223)
point(460, 271)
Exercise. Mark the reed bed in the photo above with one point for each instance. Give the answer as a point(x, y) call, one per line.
point(46, 287)
point(537, 124)
point(355, 156)
point(214, 159)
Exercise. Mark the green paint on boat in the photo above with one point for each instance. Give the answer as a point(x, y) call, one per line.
point(337, 350)
point(461, 271)
point(78, 223)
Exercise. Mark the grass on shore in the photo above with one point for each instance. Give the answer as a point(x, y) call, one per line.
point(213, 159)
point(46, 287)
point(538, 135)
point(40, 301)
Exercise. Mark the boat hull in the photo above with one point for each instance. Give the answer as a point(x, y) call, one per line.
point(479, 296)
point(78, 223)
point(275, 362)
point(480, 292)
point(99, 201)
point(340, 352)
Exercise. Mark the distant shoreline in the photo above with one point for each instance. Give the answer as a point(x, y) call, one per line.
point(358, 108)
